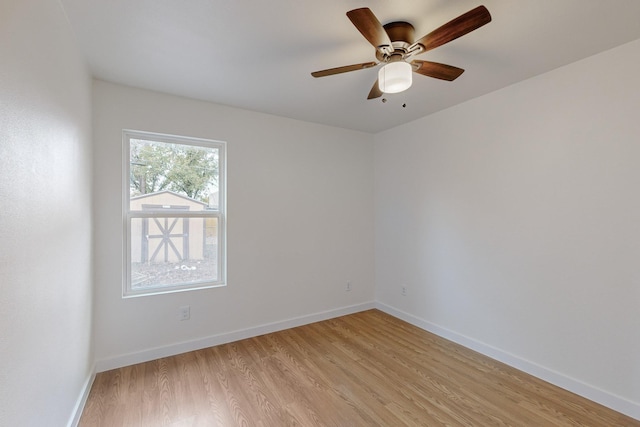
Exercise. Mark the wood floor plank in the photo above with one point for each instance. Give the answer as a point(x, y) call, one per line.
point(365, 369)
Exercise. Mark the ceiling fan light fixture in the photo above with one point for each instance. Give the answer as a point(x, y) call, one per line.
point(395, 77)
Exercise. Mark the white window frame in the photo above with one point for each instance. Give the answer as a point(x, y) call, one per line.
point(128, 215)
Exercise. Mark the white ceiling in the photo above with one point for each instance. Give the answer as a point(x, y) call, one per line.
point(258, 55)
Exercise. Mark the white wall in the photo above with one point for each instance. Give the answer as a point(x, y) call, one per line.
point(45, 217)
point(514, 221)
point(300, 224)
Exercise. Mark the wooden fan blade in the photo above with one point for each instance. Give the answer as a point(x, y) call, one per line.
point(436, 70)
point(455, 28)
point(345, 69)
point(375, 91)
point(372, 30)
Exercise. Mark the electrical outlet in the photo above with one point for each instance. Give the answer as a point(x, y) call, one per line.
point(404, 290)
point(348, 287)
point(185, 312)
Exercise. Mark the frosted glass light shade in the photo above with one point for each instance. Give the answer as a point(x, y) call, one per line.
point(395, 77)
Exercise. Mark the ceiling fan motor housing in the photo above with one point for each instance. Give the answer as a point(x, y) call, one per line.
point(401, 35)
point(400, 31)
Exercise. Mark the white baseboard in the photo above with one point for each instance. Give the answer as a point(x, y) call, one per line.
point(587, 391)
point(213, 340)
point(82, 399)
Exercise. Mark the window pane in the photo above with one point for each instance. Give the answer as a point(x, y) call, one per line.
point(171, 174)
point(173, 251)
point(174, 213)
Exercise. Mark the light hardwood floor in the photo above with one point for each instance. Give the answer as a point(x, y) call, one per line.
point(365, 369)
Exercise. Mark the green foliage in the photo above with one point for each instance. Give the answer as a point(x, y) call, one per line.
point(187, 170)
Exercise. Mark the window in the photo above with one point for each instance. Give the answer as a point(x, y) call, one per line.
point(174, 213)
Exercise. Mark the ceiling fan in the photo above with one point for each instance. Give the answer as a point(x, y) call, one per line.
point(395, 45)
